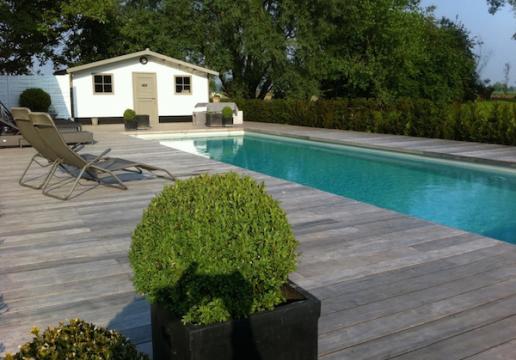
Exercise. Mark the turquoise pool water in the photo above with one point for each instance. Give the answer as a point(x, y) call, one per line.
point(469, 197)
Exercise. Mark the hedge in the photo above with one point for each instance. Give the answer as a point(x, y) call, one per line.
point(213, 248)
point(489, 121)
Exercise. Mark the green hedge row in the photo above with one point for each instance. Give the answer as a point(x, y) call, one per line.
point(490, 121)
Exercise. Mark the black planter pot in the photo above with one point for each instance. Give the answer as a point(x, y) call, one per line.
point(130, 125)
point(227, 121)
point(288, 332)
point(213, 119)
point(142, 121)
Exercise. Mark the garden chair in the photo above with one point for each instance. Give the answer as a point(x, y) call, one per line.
point(90, 167)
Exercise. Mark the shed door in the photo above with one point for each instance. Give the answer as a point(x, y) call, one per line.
point(145, 96)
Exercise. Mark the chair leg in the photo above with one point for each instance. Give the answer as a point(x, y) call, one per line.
point(167, 175)
point(22, 181)
point(47, 192)
point(121, 184)
point(153, 171)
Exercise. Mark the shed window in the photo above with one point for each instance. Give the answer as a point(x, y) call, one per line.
point(103, 84)
point(183, 85)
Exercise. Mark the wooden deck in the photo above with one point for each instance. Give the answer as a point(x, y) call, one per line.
point(391, 286)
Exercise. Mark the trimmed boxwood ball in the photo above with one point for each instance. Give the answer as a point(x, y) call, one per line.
point(35, 99)
point(77, 340)
point(213, 248)
point(227, 112)
point(129, 115)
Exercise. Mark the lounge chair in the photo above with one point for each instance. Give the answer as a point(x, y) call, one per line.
point(10, 133)
point(88, 166)
point(44, 157)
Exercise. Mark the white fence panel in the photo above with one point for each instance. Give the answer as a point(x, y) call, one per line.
point(57, 86)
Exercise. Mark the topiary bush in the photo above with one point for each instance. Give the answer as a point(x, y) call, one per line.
point(227, 112)
point(129, 115)
point(77, 340)
point(213, 248)
point(35, 99)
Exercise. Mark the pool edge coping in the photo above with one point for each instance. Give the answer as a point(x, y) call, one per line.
point(430, 154)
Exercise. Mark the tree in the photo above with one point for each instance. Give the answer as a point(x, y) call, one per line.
point(506, 76)
point(395, 50)
point(495, 5)
point(291, 48)
point(257, 46)
point(25, 33)
point(38, 29)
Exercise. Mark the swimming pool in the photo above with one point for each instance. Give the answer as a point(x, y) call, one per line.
point(479, 199)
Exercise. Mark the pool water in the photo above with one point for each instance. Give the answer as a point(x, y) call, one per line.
point(474, 198)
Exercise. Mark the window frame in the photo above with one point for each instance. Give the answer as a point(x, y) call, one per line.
point(183, 92)
point(103, 84)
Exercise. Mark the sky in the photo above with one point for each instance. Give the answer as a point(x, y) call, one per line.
point(495, 31)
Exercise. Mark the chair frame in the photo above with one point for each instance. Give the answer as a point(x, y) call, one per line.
point(88, 168)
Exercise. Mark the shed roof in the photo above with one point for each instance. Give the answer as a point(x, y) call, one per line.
point(146, 52)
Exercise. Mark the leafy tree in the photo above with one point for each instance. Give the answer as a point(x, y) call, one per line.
point(506, 76)
point(257, 46)
point(495, 5)
point(395, 50)
point(38, 29)
point(25, 33)
point(384, 49)
point(88, 31)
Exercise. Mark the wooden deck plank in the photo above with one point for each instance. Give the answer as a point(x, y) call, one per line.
point(390, 285)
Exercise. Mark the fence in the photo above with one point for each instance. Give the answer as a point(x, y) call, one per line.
point(57, 86)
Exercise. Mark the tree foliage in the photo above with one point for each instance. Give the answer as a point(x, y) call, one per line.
point(495, 5)
point(39, 29)
point(288, 48)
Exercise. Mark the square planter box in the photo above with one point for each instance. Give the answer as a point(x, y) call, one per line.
point(213, 119)
point(286, 333)
point(139, 122)
point(142, 121)
point(227, 121)
point(130, 125)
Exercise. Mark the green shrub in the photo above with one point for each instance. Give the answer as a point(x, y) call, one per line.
point(485, 121)
point(77, 340)
point(213, 248)
point(227, 112)
point(35, 99)
point(129, 115)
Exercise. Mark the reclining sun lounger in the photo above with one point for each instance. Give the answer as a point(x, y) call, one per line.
point(44, 157)
point(88, 166)
point(10, 133)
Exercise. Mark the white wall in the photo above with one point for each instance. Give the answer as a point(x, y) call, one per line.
point(87, 104)
point(57, 86)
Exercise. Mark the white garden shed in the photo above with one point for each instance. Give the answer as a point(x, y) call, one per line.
point(162, 87)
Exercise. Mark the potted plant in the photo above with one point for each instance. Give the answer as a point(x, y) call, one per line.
point(142, 121)
point(213, 118)
point(227, 116)
point(77, 340)
point(130, 122)
point(212, 254)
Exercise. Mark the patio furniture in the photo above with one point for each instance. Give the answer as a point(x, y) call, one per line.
point(88, 166)
point(10, 133)
point(44, 157)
